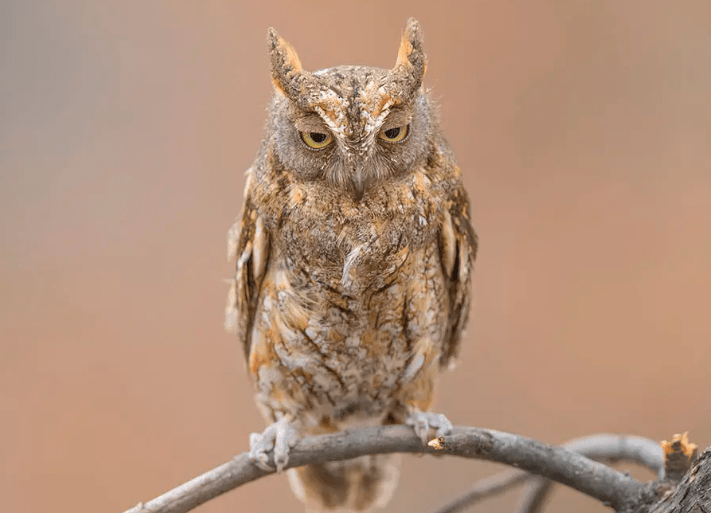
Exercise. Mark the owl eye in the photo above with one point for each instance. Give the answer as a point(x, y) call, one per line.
point(316, 140)
point(396, 134)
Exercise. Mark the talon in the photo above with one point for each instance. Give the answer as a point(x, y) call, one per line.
point(423, 422)
point(280, 437)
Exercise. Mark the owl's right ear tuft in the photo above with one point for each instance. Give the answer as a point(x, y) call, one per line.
point(411, 52)
point(411, 64)
point(285, 63)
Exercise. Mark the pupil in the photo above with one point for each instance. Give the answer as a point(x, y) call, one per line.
point(317, 137)
point(392, 133)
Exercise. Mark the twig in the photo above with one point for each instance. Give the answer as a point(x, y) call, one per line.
point(609, 448)
point(557, 463)
point(535, 495)
point(494, 485)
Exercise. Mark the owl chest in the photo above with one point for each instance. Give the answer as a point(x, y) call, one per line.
point(345, 344)
point(352, 254)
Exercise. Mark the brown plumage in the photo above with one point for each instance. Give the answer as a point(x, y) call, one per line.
point(354, 256)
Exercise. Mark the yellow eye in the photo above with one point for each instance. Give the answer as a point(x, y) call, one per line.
point(396, 134)
point(316, 140)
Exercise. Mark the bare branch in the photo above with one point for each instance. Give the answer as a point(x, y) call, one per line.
point(602, 447)
point(608, 448)
point(557, 463)
point(678, 456)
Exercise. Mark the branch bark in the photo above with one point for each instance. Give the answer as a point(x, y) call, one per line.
point(603, 447)
point(557, 463)
point(609, 448)
point(692, 494)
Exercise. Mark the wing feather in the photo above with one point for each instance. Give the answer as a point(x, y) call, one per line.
point(458, 246)
point(248, 242)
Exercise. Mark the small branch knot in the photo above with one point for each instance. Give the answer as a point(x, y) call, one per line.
point(679, 454)
point(437, 443)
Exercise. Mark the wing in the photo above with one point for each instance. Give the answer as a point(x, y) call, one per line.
point(248, 241)
point(458, 245)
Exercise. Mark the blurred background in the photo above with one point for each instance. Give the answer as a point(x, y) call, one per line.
point(583, 129)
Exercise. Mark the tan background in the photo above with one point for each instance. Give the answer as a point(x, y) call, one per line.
point(584, 132)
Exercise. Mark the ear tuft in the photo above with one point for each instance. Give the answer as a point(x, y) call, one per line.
point(411, 62)
point(285, 62)
point(411, 52)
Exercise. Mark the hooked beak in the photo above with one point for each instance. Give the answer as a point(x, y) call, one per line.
point(358, 184)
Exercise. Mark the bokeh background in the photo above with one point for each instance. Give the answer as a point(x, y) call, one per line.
point(583, 129)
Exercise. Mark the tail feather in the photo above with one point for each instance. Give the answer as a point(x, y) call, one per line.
point(356, 485)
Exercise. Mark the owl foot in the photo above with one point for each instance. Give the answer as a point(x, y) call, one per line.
point(424, 422)
point(280, 436)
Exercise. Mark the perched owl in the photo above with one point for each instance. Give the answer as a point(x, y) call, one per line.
point(354, 255)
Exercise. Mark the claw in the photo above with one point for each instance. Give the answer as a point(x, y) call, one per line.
point(280, 437)
point(423, 422)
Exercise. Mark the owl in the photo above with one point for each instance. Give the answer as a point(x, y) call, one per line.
point(354, 255)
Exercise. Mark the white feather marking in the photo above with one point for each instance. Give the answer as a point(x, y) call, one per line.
point(463, 268)
point(415, 365)
point(337, 105)
point(369, 99)
point(245, 256)
point(281, 279)
point(378, 122)
point(292, 360)
point(449, 244)
point(346, 280)
point(260, 249)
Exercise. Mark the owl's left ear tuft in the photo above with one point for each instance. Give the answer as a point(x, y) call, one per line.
point(285, 63)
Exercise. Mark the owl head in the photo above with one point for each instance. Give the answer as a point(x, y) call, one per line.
point(351, 126)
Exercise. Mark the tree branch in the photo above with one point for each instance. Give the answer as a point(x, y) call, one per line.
point(557, 463)
point(608, 448)
point(693, 492)
point(602, 447)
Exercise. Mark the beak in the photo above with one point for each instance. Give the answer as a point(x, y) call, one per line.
point(359, 183)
